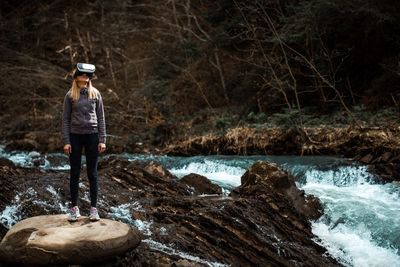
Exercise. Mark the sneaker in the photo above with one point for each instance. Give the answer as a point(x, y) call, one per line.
point(74, 214)
point(94, 214)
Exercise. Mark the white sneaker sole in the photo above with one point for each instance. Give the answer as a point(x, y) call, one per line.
point(74, 219)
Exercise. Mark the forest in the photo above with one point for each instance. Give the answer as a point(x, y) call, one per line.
point(177, 69)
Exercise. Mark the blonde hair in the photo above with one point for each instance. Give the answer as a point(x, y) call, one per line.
point(75, 91)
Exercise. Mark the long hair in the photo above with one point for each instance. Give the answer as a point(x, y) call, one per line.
point(75, 91)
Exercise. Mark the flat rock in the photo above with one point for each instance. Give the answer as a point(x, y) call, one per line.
point(51, 239)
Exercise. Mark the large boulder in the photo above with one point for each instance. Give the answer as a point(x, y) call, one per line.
point(51, 239)
point(268, 180)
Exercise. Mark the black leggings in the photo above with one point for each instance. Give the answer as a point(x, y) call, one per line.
point(90, 143)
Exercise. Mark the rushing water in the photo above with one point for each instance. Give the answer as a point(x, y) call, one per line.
point(361, 224)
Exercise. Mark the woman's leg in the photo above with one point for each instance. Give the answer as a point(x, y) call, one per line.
point(92, 155)
point(75, 162)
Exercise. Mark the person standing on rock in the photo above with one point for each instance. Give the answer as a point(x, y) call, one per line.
point(83, 126)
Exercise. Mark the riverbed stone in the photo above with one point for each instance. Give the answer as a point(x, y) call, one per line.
point(268, 181)
point(158, 170)
point(51, 239)
point(201, 184)
point(6, 162)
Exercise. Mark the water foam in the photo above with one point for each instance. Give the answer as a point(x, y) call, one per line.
point(57, 200)
point(12, 213)
point(123, 213)
point(354, 247)
point(31, 159)
point(222, 174)
point(341, 176)
point(361, 226)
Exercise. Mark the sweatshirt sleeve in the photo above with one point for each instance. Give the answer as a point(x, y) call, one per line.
point(66, 119)
point(101, 122)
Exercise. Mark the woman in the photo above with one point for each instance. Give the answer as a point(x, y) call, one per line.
point(83, 125)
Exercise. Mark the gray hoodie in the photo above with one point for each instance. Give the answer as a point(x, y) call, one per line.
point(84, 116)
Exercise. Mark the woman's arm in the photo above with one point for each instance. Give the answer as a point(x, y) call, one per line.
point(66, 119)
point(101, 122)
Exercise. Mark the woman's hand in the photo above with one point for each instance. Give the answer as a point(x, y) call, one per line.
point(67, 149)
point(102, 147)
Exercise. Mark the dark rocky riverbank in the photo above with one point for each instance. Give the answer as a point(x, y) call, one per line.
point(264, 222)
point(377, 147)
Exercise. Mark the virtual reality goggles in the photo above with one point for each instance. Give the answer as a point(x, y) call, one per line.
point(85, 69)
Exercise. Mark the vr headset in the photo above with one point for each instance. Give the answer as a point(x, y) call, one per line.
point(85, 68)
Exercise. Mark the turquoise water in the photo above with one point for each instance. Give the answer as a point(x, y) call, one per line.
point(361, 224)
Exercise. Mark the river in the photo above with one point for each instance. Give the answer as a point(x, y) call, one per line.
point(361, 223)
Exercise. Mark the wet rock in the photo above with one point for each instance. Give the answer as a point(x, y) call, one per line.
point(385, 157)
point(4, 162)
point(201, 184)
point(267, 180)
point(8, 171)
point(51, 239)
point(34, 154)
point(3, 230)
point(57, 160)
point(384, 161)
point(144, 178)
point(36, 159)
point(366, 159)
point(239, 230)
point(259, 229)
point(158, 170)
point(387, 172)
point(185, 263)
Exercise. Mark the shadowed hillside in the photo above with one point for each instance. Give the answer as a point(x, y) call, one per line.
point(170, 70)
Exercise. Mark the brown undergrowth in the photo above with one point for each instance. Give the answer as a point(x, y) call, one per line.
point(376, 147)
point(307, 141)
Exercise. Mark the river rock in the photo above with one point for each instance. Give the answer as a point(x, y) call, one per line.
point(51, 239)
point(382, 161)
point(3, 230)
point(268, 180)
point(6, 162)
point(201, 184)
point(158, 170)
point(7, 184)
